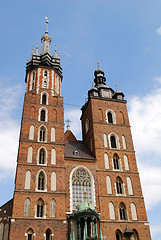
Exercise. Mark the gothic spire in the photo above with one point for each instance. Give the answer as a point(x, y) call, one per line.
point(46, 40)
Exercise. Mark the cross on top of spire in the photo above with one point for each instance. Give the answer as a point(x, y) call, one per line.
point(68, 126)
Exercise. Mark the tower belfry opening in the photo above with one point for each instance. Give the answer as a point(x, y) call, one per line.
point(69, 189)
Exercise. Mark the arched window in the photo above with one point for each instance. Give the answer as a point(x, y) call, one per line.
point(6, 231)
point(113, 141)
point(42, 115)
point(53, 156)
point(48, 234)
point(45, 83)
point(135, 235)
point(28, 179)
point(126, 163)
point(45, 74)
point(1, 230)
point(54, 115)
point(87, 125)
point(29, 155)
point(44, 98)
point(53, 134)
point(41, 181)
point(110, 116)
point(122, 212)
point(129, 186)
point(31, 132)
point(118, 235)
point(82, 181)
point(119, 186)
point(57, 84)
point(33, 80)
point(123, 142)
point(133, 212)
point(122, 117)
point(105, 140)
point(106, 161)
point(110, 119)
point(27, 207)
point(42, 156)
point(108, 183)
point(30, 233)
point(116, 162)
point(53, 181)
point(40, 208)
point(111, 211)
point(52, 208)
point(42, 134)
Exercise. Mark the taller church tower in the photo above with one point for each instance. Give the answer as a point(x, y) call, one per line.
point(39, 196)
point(66, 189)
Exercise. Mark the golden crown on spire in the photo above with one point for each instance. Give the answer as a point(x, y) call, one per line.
point(46, 37)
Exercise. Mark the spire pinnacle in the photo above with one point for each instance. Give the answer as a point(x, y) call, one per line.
point(98, 63)
point(46, 40)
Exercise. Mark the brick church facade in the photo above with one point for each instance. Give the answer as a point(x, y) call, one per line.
point(67, 189)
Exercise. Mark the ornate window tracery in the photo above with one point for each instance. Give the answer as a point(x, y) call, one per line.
point(81, 183)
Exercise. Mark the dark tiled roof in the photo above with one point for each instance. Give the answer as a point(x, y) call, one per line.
point(6, 209)
point(77, 150)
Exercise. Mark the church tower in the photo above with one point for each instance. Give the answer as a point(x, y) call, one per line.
point(69, 189)
point(106, 133)
point(39, 196)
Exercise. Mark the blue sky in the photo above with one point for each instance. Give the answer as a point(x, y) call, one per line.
point(124, 36)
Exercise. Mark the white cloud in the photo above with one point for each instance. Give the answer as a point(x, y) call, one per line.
point(158, 30)
point(158, 79)
point(9, 129)
point(145, 119)
point(155, 229)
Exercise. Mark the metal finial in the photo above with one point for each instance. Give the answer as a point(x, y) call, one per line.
point(98, 63)
point(116, 86)
point(92, 84)
point(47, 21)
point(55, 47)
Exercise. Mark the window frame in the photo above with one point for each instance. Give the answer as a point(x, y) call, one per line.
point(113, 116)
point(92, 186)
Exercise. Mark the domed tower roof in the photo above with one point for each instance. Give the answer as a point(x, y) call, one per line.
point(99, 76)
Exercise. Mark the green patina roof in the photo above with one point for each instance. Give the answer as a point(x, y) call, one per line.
point(85, 205)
